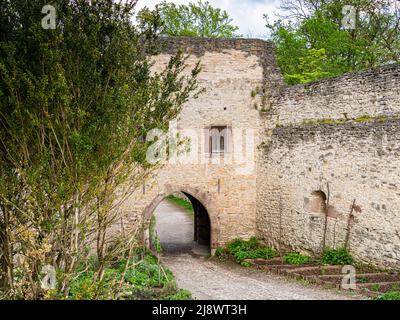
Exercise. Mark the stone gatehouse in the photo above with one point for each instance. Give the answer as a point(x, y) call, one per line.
point(299, 167)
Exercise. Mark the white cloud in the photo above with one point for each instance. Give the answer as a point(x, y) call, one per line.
point(247, 15)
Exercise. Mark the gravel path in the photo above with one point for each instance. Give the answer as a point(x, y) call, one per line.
point(211, 280)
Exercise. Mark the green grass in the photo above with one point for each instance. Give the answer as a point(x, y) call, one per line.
point(182, 203)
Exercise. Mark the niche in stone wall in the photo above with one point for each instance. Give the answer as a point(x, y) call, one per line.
point(318, 202)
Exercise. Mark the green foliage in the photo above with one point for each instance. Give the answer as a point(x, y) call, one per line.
point(182, 203)
point(312, 44)
point(298, 62)
point(222, 254)
point(250, 249)
point(192, 20)
point(145, 278)
point(310, 68)
point(245, 264)
point(148, 273)
point(296, 258)
point(336, 257)
point(74, 105)
point(393, 295)
point(375, 287)
point(259, 253)
point(180, 295)
point(84, 287)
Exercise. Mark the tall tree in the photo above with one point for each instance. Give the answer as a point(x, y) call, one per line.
point(318, 24)
point(192, 20)
point(75, 101)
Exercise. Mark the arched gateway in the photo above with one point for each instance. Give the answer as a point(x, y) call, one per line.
point(205, 219)
point(223, 127)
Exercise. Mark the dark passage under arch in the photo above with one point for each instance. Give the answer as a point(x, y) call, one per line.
point(202, 224)
point(178, 230)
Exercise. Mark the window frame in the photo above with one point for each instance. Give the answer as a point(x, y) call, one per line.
point(224, 136)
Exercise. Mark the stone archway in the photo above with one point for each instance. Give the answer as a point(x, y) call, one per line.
point(204, 210)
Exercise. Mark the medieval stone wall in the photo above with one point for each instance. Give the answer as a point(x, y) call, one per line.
point(318, 150)
point(226, 185)
point(339, 138)
point(373, 93)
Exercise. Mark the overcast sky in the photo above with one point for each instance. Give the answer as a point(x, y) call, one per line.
point(246, 14)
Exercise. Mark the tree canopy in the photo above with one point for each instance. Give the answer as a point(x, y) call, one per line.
point(193, 20)
point(312, 42)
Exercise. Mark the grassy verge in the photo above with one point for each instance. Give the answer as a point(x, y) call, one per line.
point(181, 203)
point(144, 279)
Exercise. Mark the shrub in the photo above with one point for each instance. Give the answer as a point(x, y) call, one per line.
point(259, 253)
point(336, 256)
point(296, 258)
point(393, 295)
point(250, 249)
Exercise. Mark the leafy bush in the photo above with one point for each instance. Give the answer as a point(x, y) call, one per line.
point(259, 253)
point(250, 249)
point(336, 256)
point(296, 258)
point(242, 245)
point(393, 295)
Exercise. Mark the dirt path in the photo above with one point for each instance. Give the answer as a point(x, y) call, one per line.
point(210, 280)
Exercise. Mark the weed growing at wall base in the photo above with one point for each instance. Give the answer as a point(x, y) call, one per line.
point(296, 258)
point(336, 256)
point(241, 250)
point(144, 279)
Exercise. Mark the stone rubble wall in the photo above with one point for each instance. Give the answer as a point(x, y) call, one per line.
point(347, 160)
point(374, 93)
